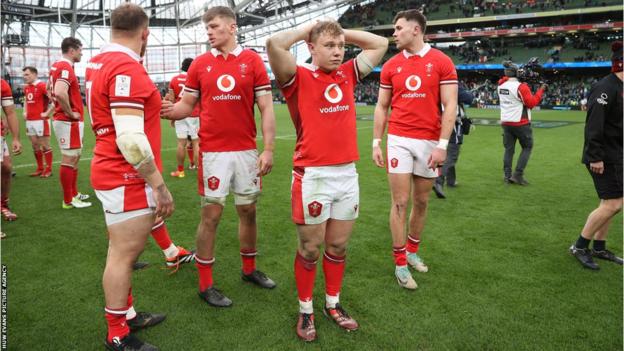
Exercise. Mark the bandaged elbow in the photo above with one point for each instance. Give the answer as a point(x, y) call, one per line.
point(135, 148)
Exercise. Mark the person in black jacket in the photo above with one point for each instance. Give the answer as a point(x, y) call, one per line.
point(448, 175)
point(602, 154)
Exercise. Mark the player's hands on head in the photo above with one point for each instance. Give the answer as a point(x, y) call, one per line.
point(437, 158)
point(265, 163)
point(164, 201)
point(378, 157)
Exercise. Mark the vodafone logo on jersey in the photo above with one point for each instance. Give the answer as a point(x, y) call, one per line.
point(333, 93)
point(30, 96)
point(413, 82)
point(226, 83)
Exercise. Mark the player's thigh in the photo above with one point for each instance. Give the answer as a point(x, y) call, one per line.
point(44, 142)
point(193, 126)
point(181, 129)
point(311, 196)
point(246, 184)
point(422, 149)
point(399, 156)
point(34, 140)
point(509, 137)
point(129, 236)
point(400, 187)
point(216, 171)
point(345, 186)
point(311, 237)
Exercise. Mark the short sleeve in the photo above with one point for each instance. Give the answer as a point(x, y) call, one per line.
point(290, 87)
point(7, 94)
point(385, 78)
point(129, 87)
point(448, 74)
point(261, 77)
point(192, 78)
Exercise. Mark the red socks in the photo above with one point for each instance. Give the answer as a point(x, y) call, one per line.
point(39, 158)
point(333, 268)
point(180, 168)
point(249, 260)
point(161, 235)
point(305, 273)
point(412, 244)
point(48, 160)
point(75, 183)
point(400, 257)
point(116, 320)
point(66, 175)
point(204, 268)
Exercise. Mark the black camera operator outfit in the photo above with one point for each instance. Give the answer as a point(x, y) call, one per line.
point(516, 102)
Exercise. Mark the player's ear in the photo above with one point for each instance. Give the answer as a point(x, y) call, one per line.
point(310, 47)
point(145, 33)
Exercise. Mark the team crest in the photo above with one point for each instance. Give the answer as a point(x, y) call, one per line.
point(315, 208)
point(339, 73)
point(399, 69)
point(209, 68)
point(213, 183)
point(394, 163)
point(243, 69)
point(429, 68)
point(315, 75)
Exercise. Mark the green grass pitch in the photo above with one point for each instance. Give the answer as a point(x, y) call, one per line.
point(500, 275)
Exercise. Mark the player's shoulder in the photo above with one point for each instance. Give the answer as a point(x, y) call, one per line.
point(5, 85)
point(437, 54)
point(395, 60)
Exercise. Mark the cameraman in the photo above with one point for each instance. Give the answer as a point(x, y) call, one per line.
point(516, 102)
point(462, 126)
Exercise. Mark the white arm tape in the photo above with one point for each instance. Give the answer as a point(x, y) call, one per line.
point(131, 139)
point(442, 144)
point(260, 93)
point(376, 142)
point(364, 64)
point(7, 102)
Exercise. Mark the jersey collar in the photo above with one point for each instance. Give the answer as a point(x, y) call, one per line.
point(71, 63)
point(237, 51)
point(114, 47)
point(421, 53)
point(309, 66)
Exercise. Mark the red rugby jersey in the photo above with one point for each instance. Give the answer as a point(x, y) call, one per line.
point(63, 71)
point(116, 79)
point(226, 89)
point(177, 85)
point(36, 100)
point(322, 108)
point(415, 81)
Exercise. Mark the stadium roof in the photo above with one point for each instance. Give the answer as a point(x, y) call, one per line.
point(253, 15)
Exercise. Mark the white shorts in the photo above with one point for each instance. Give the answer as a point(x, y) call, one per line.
point(321, 193)
point(235, 170)
point(40, 128)
point(408, 155)
point(126, 202)
point(187, 127)
point(69, 134)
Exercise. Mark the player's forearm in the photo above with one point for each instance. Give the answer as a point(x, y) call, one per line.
point(268, 131)
point(365, 40)
point(380, 121)
point(12, 122)
point(63, 100)
point(49, 110)
point(181, 110)
point(150, 173)
point(284, 40)
point(448, 121)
